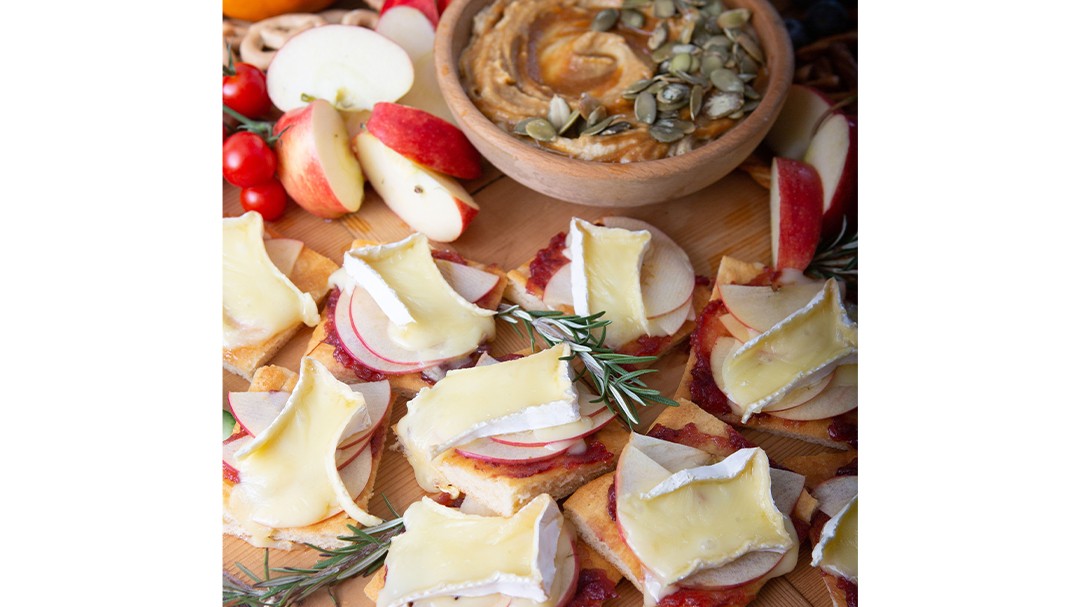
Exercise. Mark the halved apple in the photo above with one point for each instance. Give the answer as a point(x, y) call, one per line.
point(428, 8)
point(425, 139)
point(315, 163)
point(409, 28)
point(429, 202)
point(351, 67)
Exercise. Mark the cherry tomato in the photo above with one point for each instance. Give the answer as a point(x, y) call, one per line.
point(245, 91)
point(247, 160)
point(268, 199)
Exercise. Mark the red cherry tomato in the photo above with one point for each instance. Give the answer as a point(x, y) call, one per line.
point(245, 91)
point(247, 160)
point(268, 199)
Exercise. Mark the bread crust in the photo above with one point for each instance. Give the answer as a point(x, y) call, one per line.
point(309, 274)
point(324, 533)
point(733, 271)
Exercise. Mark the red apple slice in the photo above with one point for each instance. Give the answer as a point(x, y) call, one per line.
point(593, 417)
point(315, 163)
point(670, 323)
point(429, 202)
point(473, 284)
point(760, 308)
point(283, 252)
point(803, 110)
point(557, 291)
point(357, 472)
point(737, 329)
point(428, 8)
point(371, 325)
point(786, 487)
point(835, 400)
point(355, 346)
point(351, 67)
point(795, 203)
point(425, 139)
point(425, 93)
point(377, 401)
point(229, 447)
point(409, 28)
point(485, 449)
point(667, 276)
point(255, 411)
point(833, 152)
point(833, 494)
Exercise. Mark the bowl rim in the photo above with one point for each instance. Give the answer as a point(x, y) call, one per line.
point(780, 67)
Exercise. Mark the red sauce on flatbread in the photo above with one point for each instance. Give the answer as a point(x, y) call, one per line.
point(593, 588)
point(547, 261)
point(362, 371)
point(703, 389)
point(595, 451)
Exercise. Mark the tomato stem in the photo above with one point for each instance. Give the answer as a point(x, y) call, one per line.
point(259, 127)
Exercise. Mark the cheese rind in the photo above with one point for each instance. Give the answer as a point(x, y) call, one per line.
point(838, 549)
point(426, 314)
point(799, 350)
point(444, 552)
point(605, 276)
point(258, 301)
point(532, 392)
point(679, 522)
point(288, 474)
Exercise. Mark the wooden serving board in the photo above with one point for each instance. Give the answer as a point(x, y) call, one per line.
point(731, 217)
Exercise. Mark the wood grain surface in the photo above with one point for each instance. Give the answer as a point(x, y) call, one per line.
point(730, 217)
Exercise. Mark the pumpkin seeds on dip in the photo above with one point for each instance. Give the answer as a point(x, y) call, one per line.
point(613, 81)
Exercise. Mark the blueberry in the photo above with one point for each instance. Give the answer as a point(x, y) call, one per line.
point(799, 36)
point(826, 17)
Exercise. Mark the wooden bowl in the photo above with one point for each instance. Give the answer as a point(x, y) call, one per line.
point(613, 184)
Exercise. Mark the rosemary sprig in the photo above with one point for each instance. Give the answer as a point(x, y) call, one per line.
point(621, 389)
point(363, 554)
point(838, 259)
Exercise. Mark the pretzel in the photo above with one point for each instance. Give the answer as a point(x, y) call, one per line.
point(264, 38)
point(232, 33)
point(361, 17)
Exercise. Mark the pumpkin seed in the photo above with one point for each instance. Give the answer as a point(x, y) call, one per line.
point(638, 86)
point(695, 63)
point(558, 112)
point(656, 87)
point(604, 20)
point(587, 104)
point(685, 49)
point(632, 19)
point(597, 127)
point(665, 133)
point(734, 18)
point(751, 47)
point(713, 8)
point(711, 63)
point(635, 3)
point(680, 63)
point(663, 9)
point(658, 37)
point(686, 36)
point(663, 53)
point(718, 42)
point(519, 127)
point(690, 78)
point(749, 106)
point(683, 146)
point(540, 130)
point(726, 81)
point(674, 93)
point(736, 115)
point(747, 65)
point(645, 108)
point(685, 126)
point(595, 116)
point(751, 93)
point(747, 77)
point(616, 128)
point(721, 104)
point(697, 95)
point(663, 106)
point(574, 115)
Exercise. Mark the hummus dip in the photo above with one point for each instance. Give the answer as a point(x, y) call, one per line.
point(522, 53)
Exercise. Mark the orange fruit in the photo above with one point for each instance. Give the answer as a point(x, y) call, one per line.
point(257, 10)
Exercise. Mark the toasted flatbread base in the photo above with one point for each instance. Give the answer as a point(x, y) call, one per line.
point(813, 431)
point(407, 384)
point(589, 510)
point(309, 274)
point(324, 533)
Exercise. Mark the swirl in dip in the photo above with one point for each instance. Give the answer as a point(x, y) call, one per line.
point(522, 53)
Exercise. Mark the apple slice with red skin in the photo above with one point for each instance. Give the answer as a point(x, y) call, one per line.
point(429, 8)
point(795, 205)
point(485, 449)
point(428, 201)
point(425, 139)
point(371, 325)
point(351, 67)
point(255, 411)
point(833, 494)
point(803, 110)
point(315, 163)
point(592, 420)
point(355, 346)
point(229, 447)
point(473, 284)
point(833, 152)
point(737, 329)
point(409, 28)
point(761, 308)
point(283, 252)
point(557, 291)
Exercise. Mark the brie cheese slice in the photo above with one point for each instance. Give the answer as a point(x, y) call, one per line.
point(288, 474)
point(426, 314)
point(444, 552)
point(838, 549)
point(258, 300)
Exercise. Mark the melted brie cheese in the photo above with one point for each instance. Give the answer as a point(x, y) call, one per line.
point(838, 549)
point(799, 350)
point(605, 276)
point(426, 314)
point(288, 474)
point(679, 522)
point(258, 300)
point(444, 552)
point(523, 394)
